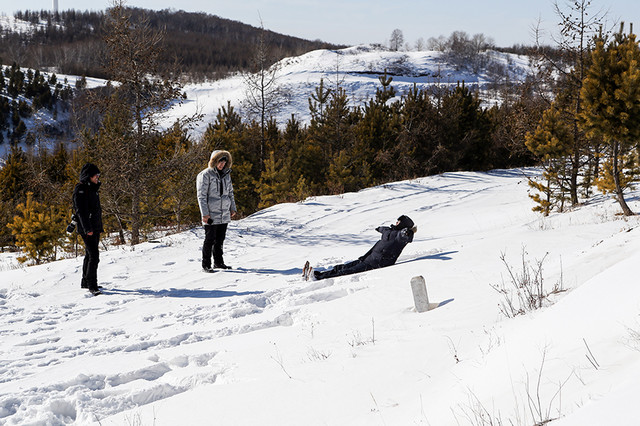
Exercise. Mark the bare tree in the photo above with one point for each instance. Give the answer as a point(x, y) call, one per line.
point(396, 41)
point(263, 95)
point(480, 42)
point(440, 44)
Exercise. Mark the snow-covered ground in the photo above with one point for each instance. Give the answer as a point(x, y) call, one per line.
point(170, 345)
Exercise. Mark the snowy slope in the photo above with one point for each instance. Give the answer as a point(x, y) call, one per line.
point(168, 344)
point(356, 69)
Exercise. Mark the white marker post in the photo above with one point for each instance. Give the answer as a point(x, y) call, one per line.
point(420, 297)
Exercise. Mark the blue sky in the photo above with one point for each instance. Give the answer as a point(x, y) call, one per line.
point(372, 21)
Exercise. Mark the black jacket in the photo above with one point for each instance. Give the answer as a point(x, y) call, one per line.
point(386, 251)
point(86, 202)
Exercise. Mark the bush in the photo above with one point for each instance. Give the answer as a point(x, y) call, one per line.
point(525, 291)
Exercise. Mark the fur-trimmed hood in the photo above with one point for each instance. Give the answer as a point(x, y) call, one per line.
point(217, 155)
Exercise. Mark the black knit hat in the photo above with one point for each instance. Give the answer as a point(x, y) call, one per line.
point(405, 222)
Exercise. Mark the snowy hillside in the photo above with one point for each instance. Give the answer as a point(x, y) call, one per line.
point(44, 118)
point(356, 69)
point(170, 345)
point(9, 23)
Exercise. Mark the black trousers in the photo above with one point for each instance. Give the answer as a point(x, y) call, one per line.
point(214, 236)
point(91, 260)
point(345, 269)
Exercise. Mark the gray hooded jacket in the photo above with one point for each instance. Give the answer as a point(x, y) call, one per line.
point(215, 190)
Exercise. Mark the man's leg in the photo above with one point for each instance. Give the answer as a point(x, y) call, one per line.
point(220, 235)
point(91, 260)
point(85, 266)
point(346, 269)
point(207, 245)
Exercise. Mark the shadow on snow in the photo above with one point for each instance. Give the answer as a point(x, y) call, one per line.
point(181, 293)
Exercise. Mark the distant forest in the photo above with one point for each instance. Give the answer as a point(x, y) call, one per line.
point(202, 46)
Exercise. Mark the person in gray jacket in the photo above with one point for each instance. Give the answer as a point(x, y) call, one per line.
point(217, 207)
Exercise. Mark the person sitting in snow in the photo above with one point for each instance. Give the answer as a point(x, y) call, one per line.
point(384, 253)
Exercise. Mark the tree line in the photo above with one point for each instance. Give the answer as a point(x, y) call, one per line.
point(345, 149)
point(206, 46)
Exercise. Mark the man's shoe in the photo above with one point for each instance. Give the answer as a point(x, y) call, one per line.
point(208, 269)
point(221, 266)
point(83, 285)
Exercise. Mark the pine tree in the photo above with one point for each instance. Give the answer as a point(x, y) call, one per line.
point(377, 131)
point(552, 142)
point(318, 102)
point(273, 185)
point(577, 159)
point(39, 230)
point(413, 148)
point(611, 96)
point(301, 190)
point(57, 171)
point(342, 177)
point(606, 182)
point(468, 128)
point(13, 176)
point(179, 163)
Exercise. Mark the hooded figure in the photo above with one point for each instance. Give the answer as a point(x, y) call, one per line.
point(86, 205)
point(384, 253)
point(217, 206)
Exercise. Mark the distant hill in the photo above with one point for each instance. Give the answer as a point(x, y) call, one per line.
point(205, 46)
point(357, 70)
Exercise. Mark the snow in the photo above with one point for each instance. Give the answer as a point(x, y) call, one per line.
point(168, 344)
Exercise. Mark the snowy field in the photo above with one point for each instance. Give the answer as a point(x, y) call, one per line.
point(170, 345)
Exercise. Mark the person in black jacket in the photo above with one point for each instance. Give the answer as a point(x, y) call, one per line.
point(384, 253)
point(86, 205)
